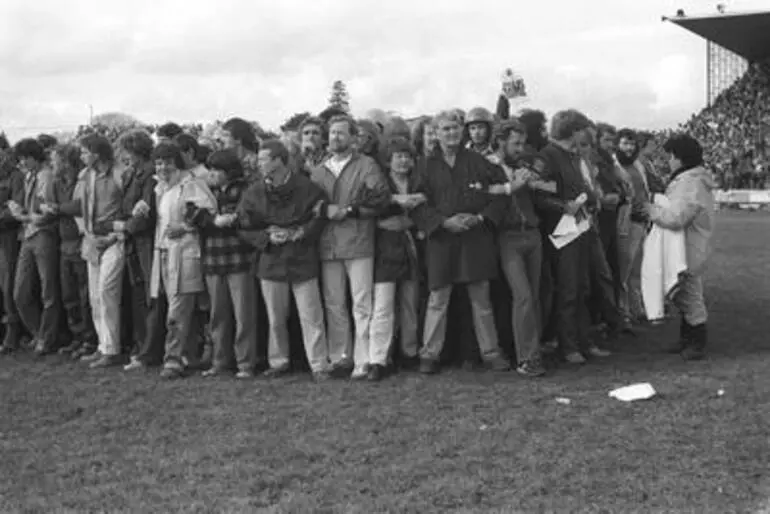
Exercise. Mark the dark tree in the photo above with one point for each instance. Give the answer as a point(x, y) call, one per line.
point(340, 97)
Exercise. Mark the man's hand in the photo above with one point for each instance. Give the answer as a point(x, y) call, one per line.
point(140, 209)
point(455, 224)
point(335, 212)
point(611, 199)
point(49, 209)
point(225, 220)
point(471, 220)
point(521, 178)
point(572, 208)
point(176, 230)
point(278, 235)
point(104, 242)
point(119, 226)
point(16, 210)
point(36, 219)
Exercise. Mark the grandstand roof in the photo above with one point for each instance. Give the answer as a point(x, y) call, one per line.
point(747, 34)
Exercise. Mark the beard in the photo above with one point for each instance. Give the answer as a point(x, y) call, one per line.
point(627, 159)
point(338, 147)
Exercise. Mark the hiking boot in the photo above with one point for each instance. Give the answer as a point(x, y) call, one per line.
point(244, 375)
point(574, 358)
point(106, 361)
point(376, 373)
point(429, 366)
point(685, 337)
point(498, 363)
point(531, 368)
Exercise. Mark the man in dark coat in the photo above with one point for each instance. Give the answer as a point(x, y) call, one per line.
point(459, 219)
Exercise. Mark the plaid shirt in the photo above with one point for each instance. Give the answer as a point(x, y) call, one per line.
point(224, 252)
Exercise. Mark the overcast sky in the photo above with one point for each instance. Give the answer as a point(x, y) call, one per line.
point(193, 60)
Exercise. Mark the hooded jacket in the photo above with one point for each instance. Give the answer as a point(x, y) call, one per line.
point(691, 209)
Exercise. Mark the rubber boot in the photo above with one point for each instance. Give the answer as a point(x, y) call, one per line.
point(696, 350)
point(685, 335)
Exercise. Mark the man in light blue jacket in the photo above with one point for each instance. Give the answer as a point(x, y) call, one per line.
point(691, 209)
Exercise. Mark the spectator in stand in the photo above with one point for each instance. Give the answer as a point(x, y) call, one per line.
point(357, 191)
point(240, 136)
point(37, 292)
point(11, 190)
point(459, 224)
point(73, 270)
point(286, 207)
point(137, 223)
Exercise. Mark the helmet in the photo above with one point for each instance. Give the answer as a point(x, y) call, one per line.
point(479, 115)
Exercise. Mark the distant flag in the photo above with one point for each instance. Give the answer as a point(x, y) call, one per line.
point(513, 85)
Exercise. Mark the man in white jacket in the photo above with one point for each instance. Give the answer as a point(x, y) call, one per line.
point(691, 209)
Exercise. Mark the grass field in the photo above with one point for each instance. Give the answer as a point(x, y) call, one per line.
point(79, 441)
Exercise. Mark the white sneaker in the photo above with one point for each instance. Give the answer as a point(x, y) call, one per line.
point(135, 364)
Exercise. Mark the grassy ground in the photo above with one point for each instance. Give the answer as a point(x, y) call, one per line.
point(77, 441)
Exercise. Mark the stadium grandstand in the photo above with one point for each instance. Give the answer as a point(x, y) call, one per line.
point(734, 127)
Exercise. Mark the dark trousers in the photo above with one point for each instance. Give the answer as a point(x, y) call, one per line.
point(37, 289)
point(75, 298)
point(603, 304)
point(151, 349)
point(136, 312)
point(548, 311)
point(9, 253)
point(571, 292)
point(608, 232)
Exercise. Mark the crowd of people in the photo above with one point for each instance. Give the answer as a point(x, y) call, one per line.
point(735, 131)
point(162, 251)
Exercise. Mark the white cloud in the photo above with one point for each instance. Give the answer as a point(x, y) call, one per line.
point(195, 61)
